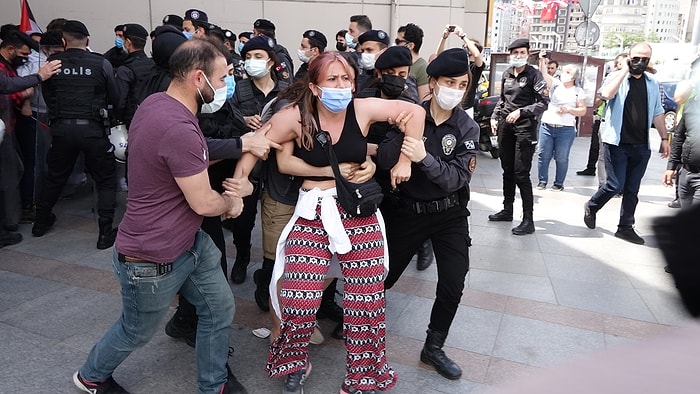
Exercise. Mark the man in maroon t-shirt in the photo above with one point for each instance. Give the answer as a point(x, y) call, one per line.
point(160, 249)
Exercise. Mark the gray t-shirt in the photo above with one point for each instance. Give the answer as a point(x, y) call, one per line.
point(165, 143)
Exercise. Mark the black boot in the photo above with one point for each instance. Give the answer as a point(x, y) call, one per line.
point(240, 266)
point(183, 324)
point(505, 215)
point(232, 386)
point(424, 256)
point(107, 234)
point(433, 354)
point(329, 309)
point(262, 278)
point(43, 223)
point(527, 226)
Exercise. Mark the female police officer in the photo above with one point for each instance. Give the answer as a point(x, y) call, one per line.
point(432, 203)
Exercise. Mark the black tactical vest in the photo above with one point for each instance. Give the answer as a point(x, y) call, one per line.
point(79, 91)
point(142, 67)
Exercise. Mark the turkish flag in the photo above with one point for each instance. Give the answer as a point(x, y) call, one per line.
point(27, 23)
point(549, 12)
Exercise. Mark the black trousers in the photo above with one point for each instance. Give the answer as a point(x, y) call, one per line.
point(516, 154)
point(594, 149)
point(243, 224)
point(67, 142)
point(449, 231)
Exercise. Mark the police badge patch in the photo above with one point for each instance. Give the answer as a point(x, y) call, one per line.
point(470, 145)
point(448, 144)
point(522, 82)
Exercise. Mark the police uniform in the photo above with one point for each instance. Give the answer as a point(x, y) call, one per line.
point(132, 75)
point(284, 70)
point(432, 204)
point(316, 40)
point(518, 140)
point(74, 98)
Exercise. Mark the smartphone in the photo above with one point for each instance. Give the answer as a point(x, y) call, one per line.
point(451, 28)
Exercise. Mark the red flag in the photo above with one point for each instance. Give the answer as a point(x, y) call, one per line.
point(549, 12)
point(27, 23)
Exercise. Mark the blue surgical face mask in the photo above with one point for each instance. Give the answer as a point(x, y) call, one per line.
point(240, 47)
point(335, 99)
point(350, 41)
point(119, 42)
point(187, 34)
point(230, 86)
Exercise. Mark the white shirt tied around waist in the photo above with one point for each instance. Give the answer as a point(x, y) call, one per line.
point(561, 96)
point(339, 242)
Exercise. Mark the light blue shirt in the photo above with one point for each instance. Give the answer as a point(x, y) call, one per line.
point(610, 133)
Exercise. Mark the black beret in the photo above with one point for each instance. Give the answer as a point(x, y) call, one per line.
point(167, 39)
point(75, 27)
point(258, 42)
point(246, 34)
point(264, 24)
point(51, 38)
point(395, 56)
point(173, 20)
point(134, 30)
point(519, 43)
point(450, 63)
point(316, 39)
point(229, 35)
point(196, 16)
point(374, 35)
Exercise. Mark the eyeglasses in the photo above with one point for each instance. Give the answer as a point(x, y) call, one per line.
point(399, 41)
point(638, 59)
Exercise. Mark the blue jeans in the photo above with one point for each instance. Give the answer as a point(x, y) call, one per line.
point(554, 142)
point(196, 275)
point(625, 166)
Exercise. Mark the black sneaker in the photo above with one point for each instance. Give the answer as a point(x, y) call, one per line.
point(232, 386)
point(588, 216)
point(674, 204)
point(41, 227)
point(541, 186)
point(109, 386)
point(8, 238)
point(629, 235)
point(177, 328)
point(557, 188)
point(294, 382)
point(586, 172)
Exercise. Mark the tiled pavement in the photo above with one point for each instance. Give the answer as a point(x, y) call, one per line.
point(530, 302)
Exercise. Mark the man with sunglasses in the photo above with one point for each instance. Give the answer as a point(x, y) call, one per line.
point(634, 102)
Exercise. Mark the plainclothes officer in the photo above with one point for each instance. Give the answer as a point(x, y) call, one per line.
point(313, 43)
point(515, 120)
point(432, 204)
point(75, 97)
point(285, 69)
point(195, 23)
point(137, 67)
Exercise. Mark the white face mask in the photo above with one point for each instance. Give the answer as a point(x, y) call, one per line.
point(218, 102)
point(566, 78)
point(256, 68)
point(350, 41)
point(517, 62)
point(302, 56)
point(448, 98)
point(367, 61)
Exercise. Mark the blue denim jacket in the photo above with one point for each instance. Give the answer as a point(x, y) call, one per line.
point(610, 130)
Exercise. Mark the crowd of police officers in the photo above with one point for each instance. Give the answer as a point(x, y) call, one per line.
point(87, 93)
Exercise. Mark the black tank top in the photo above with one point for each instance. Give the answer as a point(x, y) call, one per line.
point(351, 147)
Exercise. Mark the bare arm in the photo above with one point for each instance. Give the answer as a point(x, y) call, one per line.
point(470, 46)
point(203, 200)
point(443, 38)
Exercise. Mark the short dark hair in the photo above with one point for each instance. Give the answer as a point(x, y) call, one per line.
point(553, 61)
point(14, 39)
point(75, 38)
point(362, 21)
point(413, 33)
point(341, 33)
point(138, 42)
point(194, 54)
point(56, 24)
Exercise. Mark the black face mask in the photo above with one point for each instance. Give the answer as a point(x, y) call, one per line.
point(392, 85)
point(341, 47)
point(19, 61)
point(638, 68)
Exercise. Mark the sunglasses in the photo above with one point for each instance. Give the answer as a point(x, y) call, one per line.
point(638, 59)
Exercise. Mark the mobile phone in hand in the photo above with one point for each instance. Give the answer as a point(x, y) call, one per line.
point(451, 28)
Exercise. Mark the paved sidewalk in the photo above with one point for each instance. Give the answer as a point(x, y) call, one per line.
point(530, 302)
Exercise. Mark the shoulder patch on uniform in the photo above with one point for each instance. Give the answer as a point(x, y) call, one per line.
point(470, 145)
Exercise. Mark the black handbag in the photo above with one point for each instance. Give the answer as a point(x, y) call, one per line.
point(357, 199)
